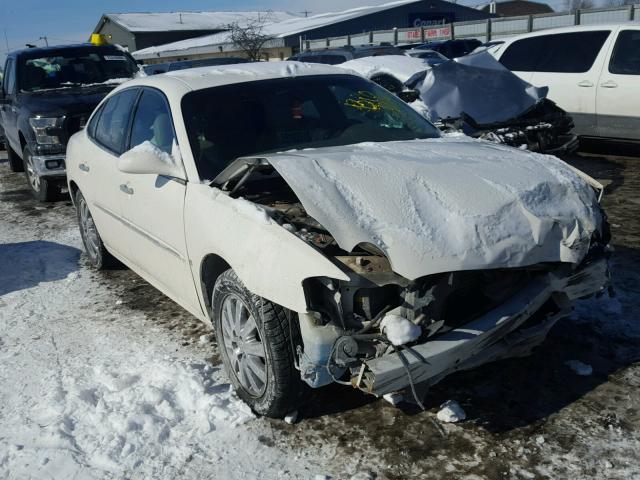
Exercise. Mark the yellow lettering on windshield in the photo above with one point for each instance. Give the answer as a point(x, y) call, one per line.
point(364, 101)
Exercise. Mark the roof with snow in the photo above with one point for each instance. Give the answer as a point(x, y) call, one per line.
point(514, 8)
point(181, 21)
point(277, 29)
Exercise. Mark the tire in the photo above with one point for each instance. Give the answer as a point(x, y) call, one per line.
point(278, 390)
point(97, 254)
point(15, 162)
point(42, 189)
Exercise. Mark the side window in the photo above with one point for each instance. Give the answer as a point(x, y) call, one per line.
point(561, 53)
point(91, 128)
point(152, 122)
point(626, 54)
point(111, 129)
point(10, 78)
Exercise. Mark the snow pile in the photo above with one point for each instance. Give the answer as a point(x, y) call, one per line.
point(399, 330)
point(451, 412)
point(140, 153)
point(439, 204)
point(398, 66)
point(579, 368)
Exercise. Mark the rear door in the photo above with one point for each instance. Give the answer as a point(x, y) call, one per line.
point(153, 207)
point(569, 64)
point(98, 176)
point(618, 91)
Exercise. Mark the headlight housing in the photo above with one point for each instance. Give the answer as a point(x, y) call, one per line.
point(47, 129)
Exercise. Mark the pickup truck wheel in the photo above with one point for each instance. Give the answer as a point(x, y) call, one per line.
point(42, 189)
point(255, 343)
point(97, 254)
point(15, 162)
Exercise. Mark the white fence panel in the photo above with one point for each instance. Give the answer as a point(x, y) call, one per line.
point(509, 26)
point(470, 29)
point(385, 36)
point(553, 21)
point(610, 16)
point(317, 44)
point(360, 39)
point(338, 42)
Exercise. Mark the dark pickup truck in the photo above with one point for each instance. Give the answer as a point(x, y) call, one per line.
point(47, 95)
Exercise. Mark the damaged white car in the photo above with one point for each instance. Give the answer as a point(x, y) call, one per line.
point(327, 230)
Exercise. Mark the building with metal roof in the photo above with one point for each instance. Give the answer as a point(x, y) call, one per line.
point(288, 34)
point(135, 31)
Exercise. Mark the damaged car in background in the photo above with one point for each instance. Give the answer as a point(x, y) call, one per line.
point(328, 232)
point(478, 96)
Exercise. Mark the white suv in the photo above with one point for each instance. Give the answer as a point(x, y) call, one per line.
point(327, 230)
point(593, 72)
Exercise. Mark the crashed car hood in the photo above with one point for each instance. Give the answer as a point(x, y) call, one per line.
point(446, 204)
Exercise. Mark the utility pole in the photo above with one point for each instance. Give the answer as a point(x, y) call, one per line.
point(6, 40)
point(306, 13)
point(46, 40)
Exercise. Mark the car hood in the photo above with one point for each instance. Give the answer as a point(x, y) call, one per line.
point(65, 101)
point(446, 204)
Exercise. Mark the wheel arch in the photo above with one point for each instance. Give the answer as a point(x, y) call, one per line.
point(211, 267)
point(73, 190)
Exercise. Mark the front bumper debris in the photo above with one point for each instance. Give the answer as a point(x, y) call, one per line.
point(500, 333)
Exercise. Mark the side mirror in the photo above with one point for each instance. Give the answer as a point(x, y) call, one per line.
point(409, 95)
point(146, 158)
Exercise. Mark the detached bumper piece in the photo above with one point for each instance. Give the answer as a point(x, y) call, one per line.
point(512, 329)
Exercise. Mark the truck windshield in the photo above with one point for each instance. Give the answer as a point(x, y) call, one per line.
point(75, 67)
point(227, 122)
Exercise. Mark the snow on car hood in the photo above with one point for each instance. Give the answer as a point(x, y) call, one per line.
point(442, 205)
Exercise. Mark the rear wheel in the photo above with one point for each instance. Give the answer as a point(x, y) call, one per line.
point(255, 342)
point(15, 162)
point(97, 254)
point(43, 189)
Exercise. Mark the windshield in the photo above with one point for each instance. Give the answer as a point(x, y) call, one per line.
point(74, 68)
point(224, 123)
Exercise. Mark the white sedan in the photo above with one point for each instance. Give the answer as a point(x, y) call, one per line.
point(327, 231)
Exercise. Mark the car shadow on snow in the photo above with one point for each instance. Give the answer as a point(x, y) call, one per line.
point(27, 264)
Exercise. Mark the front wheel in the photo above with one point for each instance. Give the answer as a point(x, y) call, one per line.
point(255, 340)
point(42, 189)
point(15, 162)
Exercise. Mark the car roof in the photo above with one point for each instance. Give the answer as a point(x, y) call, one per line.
point(56, 48)
point(214, 76)
point(574, 28)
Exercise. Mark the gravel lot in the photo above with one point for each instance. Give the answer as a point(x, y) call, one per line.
point(526, 418)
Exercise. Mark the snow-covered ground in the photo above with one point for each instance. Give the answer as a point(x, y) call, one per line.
point(103, 377)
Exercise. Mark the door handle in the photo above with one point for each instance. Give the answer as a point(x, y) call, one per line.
point(84, 167)
point(609, 84)
point(585, 83)
point(126, 189)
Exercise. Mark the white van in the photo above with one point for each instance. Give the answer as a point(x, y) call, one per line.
point(593, 72)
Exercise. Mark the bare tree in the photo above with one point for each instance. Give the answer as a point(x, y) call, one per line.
point(250, 36)
point(573, 5)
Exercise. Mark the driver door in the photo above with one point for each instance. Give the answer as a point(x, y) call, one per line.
point(153, 207)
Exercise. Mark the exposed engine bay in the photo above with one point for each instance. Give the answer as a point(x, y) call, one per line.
point(342, 339)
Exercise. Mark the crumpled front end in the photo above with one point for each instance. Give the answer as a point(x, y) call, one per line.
point(473, 249)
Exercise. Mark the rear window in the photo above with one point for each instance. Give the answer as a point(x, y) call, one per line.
point(563, 52)
point(626, 54)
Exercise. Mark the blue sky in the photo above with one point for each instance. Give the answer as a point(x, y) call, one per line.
point(64, 21)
